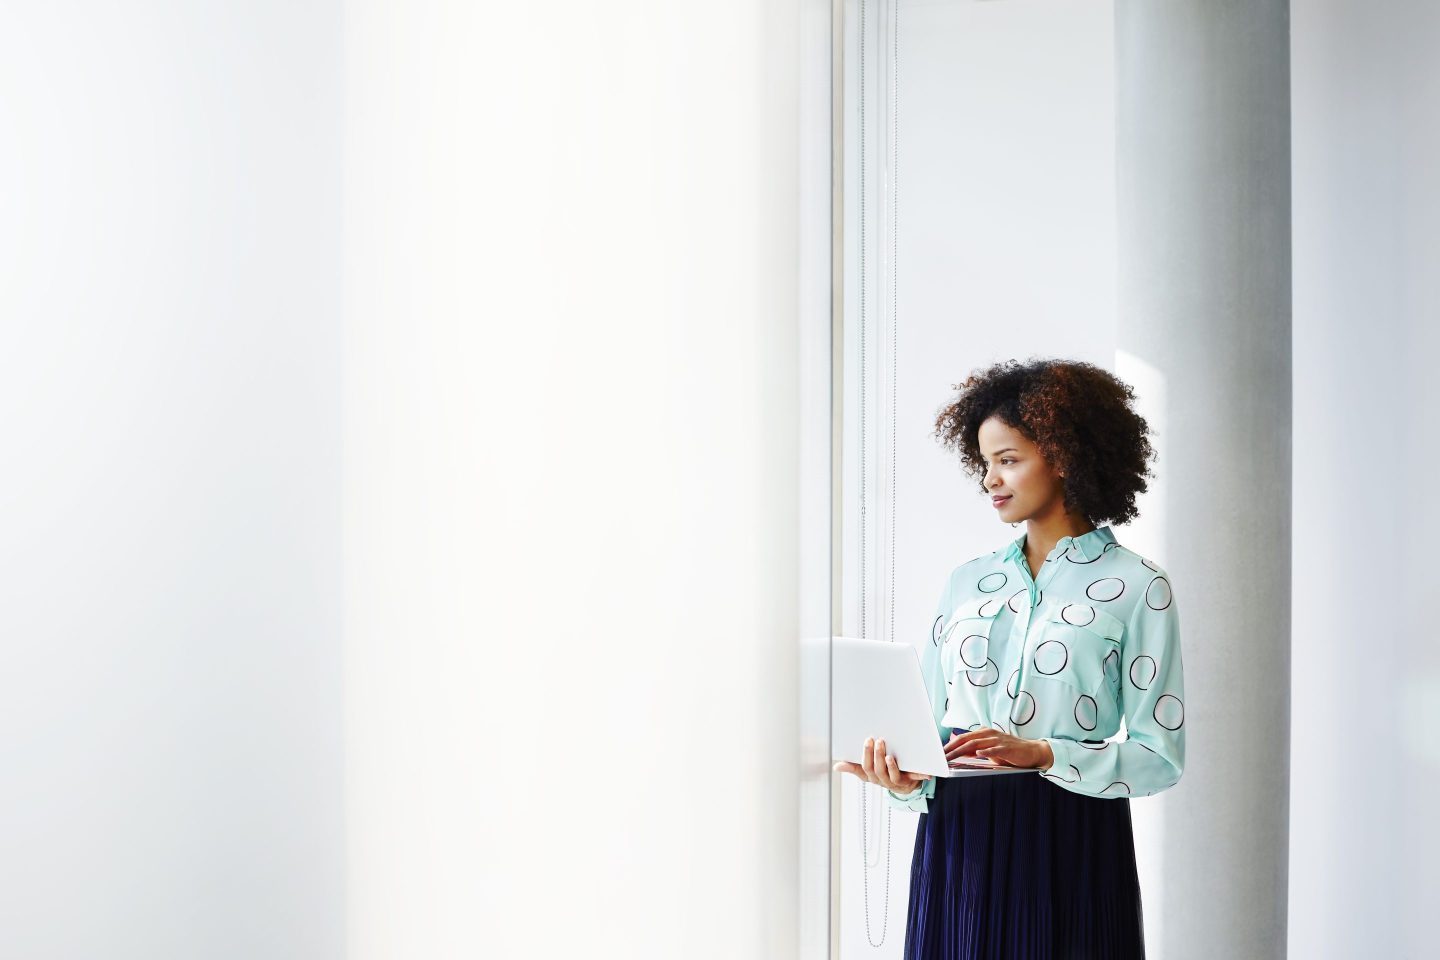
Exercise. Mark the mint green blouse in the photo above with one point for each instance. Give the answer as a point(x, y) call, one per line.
point(1063, 657)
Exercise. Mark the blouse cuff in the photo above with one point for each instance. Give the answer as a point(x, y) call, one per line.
point(917, 799)
point(1063, 769)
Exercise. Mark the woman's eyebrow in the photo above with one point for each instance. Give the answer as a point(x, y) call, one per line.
point(998, 452)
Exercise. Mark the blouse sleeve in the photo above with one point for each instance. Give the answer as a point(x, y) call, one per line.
point(918, 799)
point(1152, 699)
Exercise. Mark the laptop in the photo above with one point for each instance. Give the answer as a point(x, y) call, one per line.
point(879, 691)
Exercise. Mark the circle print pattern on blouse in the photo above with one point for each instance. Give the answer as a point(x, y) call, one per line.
point(1051, 657)
point(1124, 787)
point(972, 650)
point(935, 630)
point(1077, 614)
point(1013, 687)
point(986, 676)
point(1021, 597)
point(1157, 595)
point(1093, 746)
point(1111, 664)
point(1142, 672)
point(1024, 710)
point(1071, 554)
point(1087, 712)
point(990, 609)
point(991, 582)
point(1149, 564)
point(1170, 712)
point(1109, 588)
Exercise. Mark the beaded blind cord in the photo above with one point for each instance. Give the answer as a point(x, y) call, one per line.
point(889, 77)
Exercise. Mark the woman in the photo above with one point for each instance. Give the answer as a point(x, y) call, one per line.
point(1038, 651)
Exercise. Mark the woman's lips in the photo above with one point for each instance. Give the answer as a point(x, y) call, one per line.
point(999, 501)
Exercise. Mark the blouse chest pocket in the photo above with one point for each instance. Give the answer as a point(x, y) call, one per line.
point(967, 636)
point(1074, 643)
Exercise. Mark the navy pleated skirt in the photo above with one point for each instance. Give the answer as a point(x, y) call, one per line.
point(1015, 867)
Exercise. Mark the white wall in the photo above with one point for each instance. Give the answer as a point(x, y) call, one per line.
point(170, 781)
point(566, 248)
point(571, 409)
point(1365, 845)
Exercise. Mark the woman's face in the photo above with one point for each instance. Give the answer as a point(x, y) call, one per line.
point(1016, 471)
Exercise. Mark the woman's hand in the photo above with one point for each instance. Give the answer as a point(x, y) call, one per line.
point(1002, 747)
point(877, 766)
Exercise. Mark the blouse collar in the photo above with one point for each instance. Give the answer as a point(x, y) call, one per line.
point(1089, 545)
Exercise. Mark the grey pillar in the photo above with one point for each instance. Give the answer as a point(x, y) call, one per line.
point(1203, 161)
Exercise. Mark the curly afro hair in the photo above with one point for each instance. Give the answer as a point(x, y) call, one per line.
point(1077, 414)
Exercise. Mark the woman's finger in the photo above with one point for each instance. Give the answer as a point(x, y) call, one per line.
point(968, 735)
point(884, 765)
point(906, 778)
point(971, 746)
point(1001, 753)
point(903, 779)
point(899, 782)
point(867, 760)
